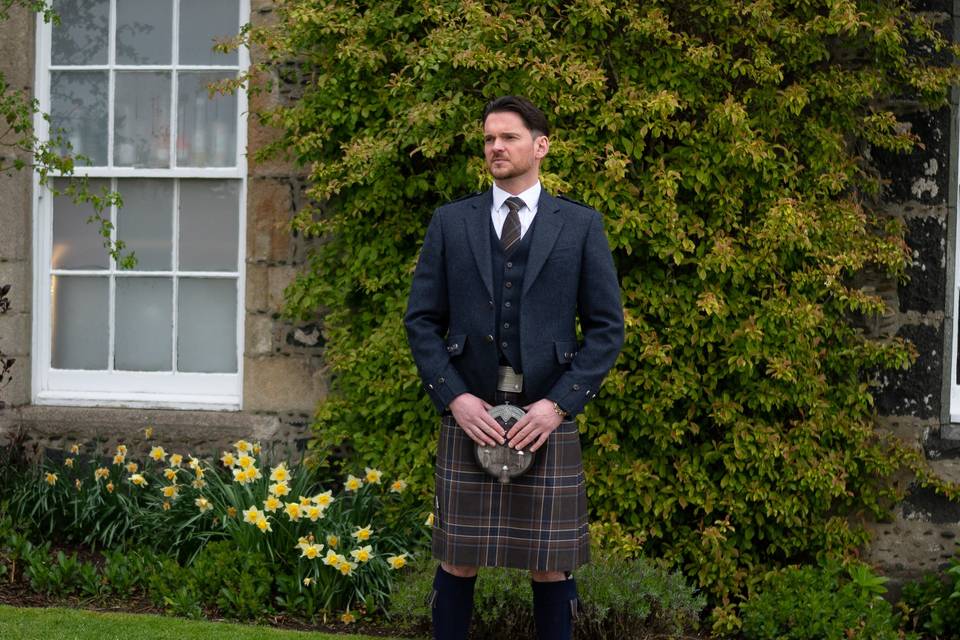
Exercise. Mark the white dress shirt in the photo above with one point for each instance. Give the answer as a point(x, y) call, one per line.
point(499, 211)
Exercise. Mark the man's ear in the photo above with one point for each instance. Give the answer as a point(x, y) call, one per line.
point(541, 146)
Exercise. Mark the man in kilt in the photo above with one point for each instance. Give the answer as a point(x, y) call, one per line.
point(502, 280)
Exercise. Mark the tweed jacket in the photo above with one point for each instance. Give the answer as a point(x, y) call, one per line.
point(569, 275)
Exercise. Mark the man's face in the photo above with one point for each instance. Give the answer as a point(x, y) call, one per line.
point(509, 148)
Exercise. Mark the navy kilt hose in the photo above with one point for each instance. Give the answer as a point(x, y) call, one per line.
point(537, 521)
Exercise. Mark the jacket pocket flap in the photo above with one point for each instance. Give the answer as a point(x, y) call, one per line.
point(566, 350)
point(455, 344)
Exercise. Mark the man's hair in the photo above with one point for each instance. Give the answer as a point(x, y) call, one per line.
point(532, 117)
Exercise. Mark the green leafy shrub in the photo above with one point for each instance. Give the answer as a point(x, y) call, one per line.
point(726, 144)
point(932, 604)
point(624, 599)
point(820, 603)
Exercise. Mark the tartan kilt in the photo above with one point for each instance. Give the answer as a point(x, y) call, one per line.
point(537, 521)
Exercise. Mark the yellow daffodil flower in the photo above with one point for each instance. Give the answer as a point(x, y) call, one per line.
point(347, 618)
point(176, 459)
point(132, 467)
point(398, 486)
point(199, 483)
point(362, 533)
point(324, 499)
point(231, 512)
point(332, 558)
point(100, 473)
point(77, 483)
point(256, 449)
point(263, 523)
point(250, 515)
point(68, 462)
point(122, 449)
point(397, 562)
point(170, 491)
point(429, 521)
point(271, 504)
point(166, 505)
point(303, 542)
point(280, 473)
point(227, 459)
point(307, 582)
point(346, 568)
point(198, 471)
point(158, 454)
point(363, 554)
point(170, 474)
point(242, 446)
point(194, 463)
point(280, 489)
point(119, 458)
point(244, 461)
point(311, 551)
point(148, 433)
point(353, 483)
point(110, 487)
point(292, 509)
point(138, 480)
point(305, 501)
point(333, 541)
point(373, 475)
point(203, 504)
point(314, 512)
point(75, 449)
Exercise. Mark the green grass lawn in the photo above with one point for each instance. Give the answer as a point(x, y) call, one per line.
point(73, 624)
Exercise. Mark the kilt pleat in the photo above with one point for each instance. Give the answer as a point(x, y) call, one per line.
point(537, 521)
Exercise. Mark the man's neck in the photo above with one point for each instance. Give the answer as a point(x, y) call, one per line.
point(516, 186)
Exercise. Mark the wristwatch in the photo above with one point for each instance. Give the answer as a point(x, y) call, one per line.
point(559, 410)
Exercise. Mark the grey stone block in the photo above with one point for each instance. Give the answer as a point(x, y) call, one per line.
point(915, 391)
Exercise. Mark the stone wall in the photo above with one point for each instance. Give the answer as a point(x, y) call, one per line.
point(283, 371)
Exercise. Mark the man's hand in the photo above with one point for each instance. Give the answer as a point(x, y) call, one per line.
point(535, 426)
point(470, 412)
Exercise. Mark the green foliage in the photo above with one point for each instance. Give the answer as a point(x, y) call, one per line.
point(932, 604)
point(726, 144)
point(820, 603)
point(628, 599)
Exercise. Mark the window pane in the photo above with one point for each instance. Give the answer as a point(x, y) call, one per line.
point(207, 325)
point(207, 127)
point(78, 105)
point(144, 31)
point(144, 329)
point(145, 222)
point(81, 36)
point(142, 127)
point(77, 244)
point(79, 332)
point(209, 225)
point(201, 23)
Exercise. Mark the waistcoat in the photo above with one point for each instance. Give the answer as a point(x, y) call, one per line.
point(507, 282)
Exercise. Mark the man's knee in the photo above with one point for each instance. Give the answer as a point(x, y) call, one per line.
point(460, 571)
point(548, 576)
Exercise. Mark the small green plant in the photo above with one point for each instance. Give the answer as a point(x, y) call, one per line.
point(820, 603)
point(932, 604)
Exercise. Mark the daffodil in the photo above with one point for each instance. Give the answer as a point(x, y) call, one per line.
point(307, 582)
point(347, 618)
point(242, 446)
point(353, 483)
point(203, 504)
point(256, 448)
point(170, 474)
point(138, 480)
point(166, 505)
point(199, 483)
point(119, 458)
point(429, 521)
point(303, 542)
point(345, 567)
point(170, 491)
point(332, 558)
point(227, 459)
point(176, 459)
point(75, 449)
point(280, 489)
point(198, 471)
point(314, 512)
point(373, 475)
point(110, 487)
point(272, 504)
point(311, 551)
point(305, 501)
point(77, 483)
point(100, 473)
point(122, 449)
point(194, 463)
point(363, 554)
point(324, 499)
point(263, 523)
point(362, 533)
point(280, 473)
point(231, 512)
point(398, 486)
point(68, 462)
point(132, 467)
point(332, 541)
point(251, 515)
point(148, 433)
point(245, 461)
point(158, 454)
point(397, 562)
point(292, 509)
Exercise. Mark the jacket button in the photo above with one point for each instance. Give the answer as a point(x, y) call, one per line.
point(429, 386)
point(508, 284)
point(504, 344)
point(488, 338)
point(507, 304)
point(509, 265)
point(506, 325)
point(454, 347)
point(490, 302)
point(576, 387)
point(567, 354)
point(440, 380)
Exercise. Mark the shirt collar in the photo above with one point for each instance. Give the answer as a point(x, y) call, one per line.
point(530, 196)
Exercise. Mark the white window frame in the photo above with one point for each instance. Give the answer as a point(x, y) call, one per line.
point(177, 390)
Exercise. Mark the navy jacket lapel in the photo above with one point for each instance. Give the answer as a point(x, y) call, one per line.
point(545, 233)
point(477, 221)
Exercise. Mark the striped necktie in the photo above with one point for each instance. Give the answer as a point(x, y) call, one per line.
point(510, 235)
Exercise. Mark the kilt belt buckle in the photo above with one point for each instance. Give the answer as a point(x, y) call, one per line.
point(500, 461)
point(509, 380)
